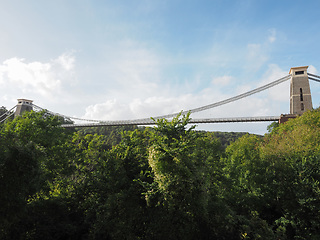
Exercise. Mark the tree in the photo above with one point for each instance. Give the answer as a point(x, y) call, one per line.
point(19, 178)
point(244, 172)
point(180, 178)
point(272, 126)
point(275, 181)
point(34, 160)
point(291, 154)
point(108, 185)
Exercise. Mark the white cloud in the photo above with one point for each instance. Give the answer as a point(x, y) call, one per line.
point(136, 88)
point(109, 110)
point(35, 77)
point(312, 69)
point(137, 108)
point(66, 61)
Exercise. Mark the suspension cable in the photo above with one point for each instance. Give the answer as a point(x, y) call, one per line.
point(313, 75)
point(232, 99)
point(6, 117)
point(314, 79)
point(7, 112)
point(199, 109)
point(55, 114)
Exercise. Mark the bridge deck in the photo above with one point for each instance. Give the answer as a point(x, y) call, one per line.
point(151, 122)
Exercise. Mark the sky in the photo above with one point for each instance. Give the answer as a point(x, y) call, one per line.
point(119, 60)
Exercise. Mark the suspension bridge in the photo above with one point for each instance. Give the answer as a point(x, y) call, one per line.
point(300, 101)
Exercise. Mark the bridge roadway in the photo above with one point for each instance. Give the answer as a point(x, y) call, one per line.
point(152, 122)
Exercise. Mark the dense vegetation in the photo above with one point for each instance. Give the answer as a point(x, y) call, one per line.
point(167, 182)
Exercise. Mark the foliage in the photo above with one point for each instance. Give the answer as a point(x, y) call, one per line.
point(176, 175)
point(33, 157)
point(272, 126)
point(114, 201)
point(278, 178)
point(19, 178)
point(113, 134)
point(166, 182)
point(226, 138)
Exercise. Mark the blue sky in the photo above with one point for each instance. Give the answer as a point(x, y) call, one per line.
point(114, 60)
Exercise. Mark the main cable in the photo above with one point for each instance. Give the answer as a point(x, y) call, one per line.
point(6, 117)
point(313, 75)
point(6, 113)
point(229, 100)
point(199, 109)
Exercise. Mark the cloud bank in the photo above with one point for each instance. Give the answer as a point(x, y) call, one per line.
point(44, 80)
point(136, 88)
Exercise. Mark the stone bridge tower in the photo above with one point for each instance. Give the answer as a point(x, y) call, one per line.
point(22, 106)
point(300, 94)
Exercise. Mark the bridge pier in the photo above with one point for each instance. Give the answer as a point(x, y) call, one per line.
point(300, 94)
point(22, 106)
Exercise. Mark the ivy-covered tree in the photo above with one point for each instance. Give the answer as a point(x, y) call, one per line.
point(181, 166)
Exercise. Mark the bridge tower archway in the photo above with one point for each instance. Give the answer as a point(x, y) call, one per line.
point(300, 94)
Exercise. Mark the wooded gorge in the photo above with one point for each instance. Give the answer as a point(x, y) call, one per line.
point(166, 182)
